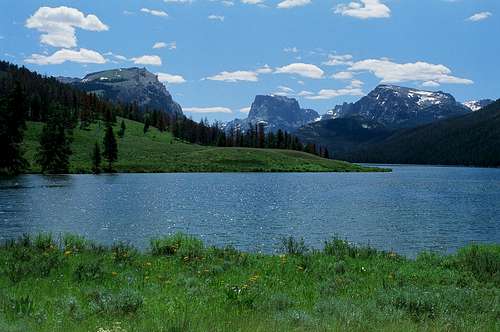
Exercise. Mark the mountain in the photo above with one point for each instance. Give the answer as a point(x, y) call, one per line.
point(276, 112)
point(342, 135)
point(472, 139)
point(129, 85)
point(400, 107)
point(476, 105)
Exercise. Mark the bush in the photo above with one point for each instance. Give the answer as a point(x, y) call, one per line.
point(75, 243)
point(291, 246)
point(342, 249)
point(179, 245)
point(482, 260)
point(123, 252)
point(44, 242)
point(89, 271)
point(127, 301)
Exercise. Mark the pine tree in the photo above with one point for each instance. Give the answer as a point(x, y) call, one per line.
point(121, 132)
point(96, 159)
point(146, 125)
point(110, 152)
point(13, 112)
point(55, 143)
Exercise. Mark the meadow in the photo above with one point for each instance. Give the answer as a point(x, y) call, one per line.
point(156, 151)
point(68, 283)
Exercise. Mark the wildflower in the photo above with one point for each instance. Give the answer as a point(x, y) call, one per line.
point(148, 264)
point(114, 274)
point(67, 253)
point(363, 269)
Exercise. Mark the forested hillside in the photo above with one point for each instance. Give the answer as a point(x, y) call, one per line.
point(473, 139)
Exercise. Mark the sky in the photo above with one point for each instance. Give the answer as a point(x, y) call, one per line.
point(214, 56)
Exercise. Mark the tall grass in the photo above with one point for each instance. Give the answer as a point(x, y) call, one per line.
point(71, 284)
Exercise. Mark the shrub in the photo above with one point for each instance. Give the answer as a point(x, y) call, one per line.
point(179, 244)
point(291, 246)
point(419, 304)
point(123, 252)
point(89, 271)
point(280, 302)
point(482, 260)
point(342, 249)
point(44, 242)
point(75, 243)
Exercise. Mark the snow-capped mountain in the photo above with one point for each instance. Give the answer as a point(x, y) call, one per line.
point(476, 105)
point(275, 112)
point(400, 107)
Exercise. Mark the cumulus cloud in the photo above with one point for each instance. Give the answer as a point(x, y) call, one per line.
point(364, 9)
point(479, 16)
point(216, 109)
point(170, 46)
point(81, 56)
point(338, 60)
point(293, 3)
point(235, 76)
point(325, 94)
point(253, 2)
point(152, 60)
point(302, 69)
point(170, 79)
point(58, 25)
point(154, 12)
point(284, 91)
point(343, 75)
point(391, 72)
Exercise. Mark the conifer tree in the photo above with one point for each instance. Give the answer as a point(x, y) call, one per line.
point(146, 125)
point(110, 152)
point(96, 159)
point(13, 112)
point(121, 132)
point(55, 143)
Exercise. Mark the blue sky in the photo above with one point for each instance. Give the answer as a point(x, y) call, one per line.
point(215, 55)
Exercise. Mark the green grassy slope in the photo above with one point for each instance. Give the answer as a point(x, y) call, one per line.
point(160, 152)
point(180, 285)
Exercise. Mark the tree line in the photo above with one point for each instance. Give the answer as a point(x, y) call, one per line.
point(29, 96)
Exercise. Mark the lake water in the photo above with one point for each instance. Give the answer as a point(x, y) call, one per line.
point(414, 208)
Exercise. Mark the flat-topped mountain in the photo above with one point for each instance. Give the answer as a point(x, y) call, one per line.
point(275, 112)
point(129, 85)
point(400, 107)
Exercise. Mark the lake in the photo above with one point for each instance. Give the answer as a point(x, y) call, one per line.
point(414, 208)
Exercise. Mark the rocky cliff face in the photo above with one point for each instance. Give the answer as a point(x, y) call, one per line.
point(275, 112)
point(399, 107)
point(130, 85)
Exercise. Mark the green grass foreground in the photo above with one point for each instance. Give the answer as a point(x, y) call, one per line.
point(181, 285)
point(157, 151)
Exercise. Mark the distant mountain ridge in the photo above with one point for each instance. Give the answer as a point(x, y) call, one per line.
point(476, 105)
point(274, 112)
point(128, 85)
point(400, 107)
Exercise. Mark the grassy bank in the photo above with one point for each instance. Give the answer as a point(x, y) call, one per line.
point(180, 285)
point(160, 152)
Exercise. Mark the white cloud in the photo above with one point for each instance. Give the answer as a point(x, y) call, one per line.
point(302, 69)
point(343, 75)
point(61, 56)
point(207, 110)
point(338, 60)
point(284, 91)
point(170, 46)
point(178, 1)
point(330, 94)
point(391, 72)
point(265, 70)
point(154, 12)
point(364, 9)
point(216, 18)
point(235, 76)
point(479, 16)
point(58, 25)
point(245, 110)
point(152, 60)
point(170, 79)
point(291, 50)
point(293, 3)
point(252, 2)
